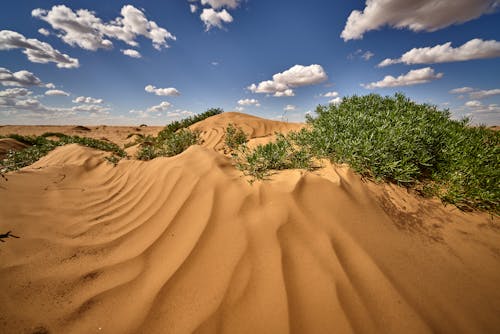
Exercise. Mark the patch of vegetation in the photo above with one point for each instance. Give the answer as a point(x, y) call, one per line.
point(234, 137)
point(186, 122)
point(280, 154)
point(174, 138)
point(41, 146)
point(415, 145)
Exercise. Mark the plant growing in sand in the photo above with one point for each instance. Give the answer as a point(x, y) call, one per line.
point(234, 137)
point(174, 138)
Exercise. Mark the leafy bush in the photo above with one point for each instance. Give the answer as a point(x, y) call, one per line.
point(395, 139)
point(184, 123)
point(235, 137)
point(278, 155)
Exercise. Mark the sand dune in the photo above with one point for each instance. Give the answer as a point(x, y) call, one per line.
point(187, 245)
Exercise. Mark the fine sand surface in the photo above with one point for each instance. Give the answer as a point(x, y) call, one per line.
point(187, 245)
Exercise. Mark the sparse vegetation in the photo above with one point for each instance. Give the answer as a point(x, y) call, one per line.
point(41, 146)
point(174, 138)
point(280, 154)
point(234, 137)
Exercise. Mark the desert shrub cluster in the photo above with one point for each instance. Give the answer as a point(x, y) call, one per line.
point(397, 140)
point(174, 138)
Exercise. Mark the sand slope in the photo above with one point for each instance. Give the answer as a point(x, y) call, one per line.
point(187, 245)
point(9, 144)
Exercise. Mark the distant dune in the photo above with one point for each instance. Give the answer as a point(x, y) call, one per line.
point(187, 245)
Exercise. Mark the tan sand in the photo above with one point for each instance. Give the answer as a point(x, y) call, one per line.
point(187, 245)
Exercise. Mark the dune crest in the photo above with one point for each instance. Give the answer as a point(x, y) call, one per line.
point(186, 245)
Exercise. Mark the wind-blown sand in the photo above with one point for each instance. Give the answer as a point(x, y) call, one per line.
point(186, 244)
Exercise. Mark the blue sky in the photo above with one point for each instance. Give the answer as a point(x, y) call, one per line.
point(114, 62)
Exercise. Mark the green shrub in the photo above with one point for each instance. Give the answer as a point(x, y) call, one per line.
point(277, 155)
point(234, 137)
point(174, 138)
point(397, 140)
point(169, 145)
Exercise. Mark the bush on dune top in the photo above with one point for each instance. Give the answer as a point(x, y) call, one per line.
point(174, 138)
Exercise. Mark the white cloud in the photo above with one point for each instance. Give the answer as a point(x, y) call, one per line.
point(193, 8)
point(160, 107)
point(212, 18)
point(88, 99)
point(335, 101)
point(473, 104)
point(297, 76)
point(14, 93)
point(476, 94)
point(84, 29)
point(221, 3)
point(21, 78)
point(249, 102)
point(367, 55)
point(420, 15)
point(132, 53)
point(36, 51)
point(413, 77)
point(50, 85)
point(240, 109)
point(57, 92)
point(44, 31)
point(481, 94)
point(289, 107)
point(461, 90)
point(162, 91)
point(331, 94)
point(443, 53)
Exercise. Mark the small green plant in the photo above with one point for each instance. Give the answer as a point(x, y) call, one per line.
point(174, 138)
point(280, 154)
point(113, 159)
point(235, 137)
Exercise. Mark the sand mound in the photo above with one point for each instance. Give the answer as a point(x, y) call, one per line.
point(213, 128)
point(186, 244)
point(9, 144)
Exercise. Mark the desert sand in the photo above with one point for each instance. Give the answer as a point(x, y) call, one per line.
point(187, 245)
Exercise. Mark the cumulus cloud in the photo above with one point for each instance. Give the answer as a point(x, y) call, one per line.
point(14, 93)
point(413, 77)
point(50, 85)
point(289, 107)
point(282, 84)
point(331, 94)
point(35, 50)
point(476, 94)
point(44, 31)
point(212, 18)
point(473, 104)
point(160, 107)
point(56, 92)
point(416, 15)
point(20, 78)
point(87, 99)
point(481, 94)
point(444, 53)
point(132, 53)
point(249, 102)
point(221, 3)
point(461, 90)
point(193, 8)
point(84, 29)
point(162, 91)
